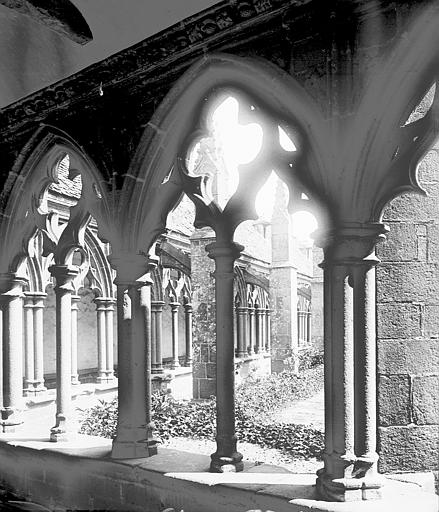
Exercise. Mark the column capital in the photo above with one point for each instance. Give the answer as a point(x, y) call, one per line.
point(11, 284)
point(157, 305)
point(64, 275)
point(131, 268)
point(351, 242)
point(219, 249)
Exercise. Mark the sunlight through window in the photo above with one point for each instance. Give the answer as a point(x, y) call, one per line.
point(303, 223)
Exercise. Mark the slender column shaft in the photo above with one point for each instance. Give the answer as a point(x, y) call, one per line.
point(188, 333)
point(252, 330)
point(75, 299)
point(350, 471)
point(175, 363)
point(102, 344)
point(365, 365)
point(259, 330)
point(242, 314)
point(226, 457)
point(134, 429)
point(29, 373)
point(38, 341)
point(264, 329)
point(109, 338)
point(12, 306)
point(157, 307)
point(63, 293)
point(153, 338)
point(268, 345)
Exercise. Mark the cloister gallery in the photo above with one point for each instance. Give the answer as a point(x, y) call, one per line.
point(139, 145)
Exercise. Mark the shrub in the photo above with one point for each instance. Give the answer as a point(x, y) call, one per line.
point(256, 399)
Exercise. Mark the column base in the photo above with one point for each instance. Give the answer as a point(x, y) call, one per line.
point(175, 365)
point(349, 489)
point(58, 435)
point(75, 380)
point(232, 464)
point(40, 388)
point(10, 419)
point(134, 449)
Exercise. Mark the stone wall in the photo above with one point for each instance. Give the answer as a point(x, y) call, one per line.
point(203, 301)
point(408, 328)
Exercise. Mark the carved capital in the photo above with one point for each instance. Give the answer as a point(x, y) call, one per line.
point(352, 243)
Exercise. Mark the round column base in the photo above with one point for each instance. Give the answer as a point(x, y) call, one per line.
point(226, 464)
point(349, 489)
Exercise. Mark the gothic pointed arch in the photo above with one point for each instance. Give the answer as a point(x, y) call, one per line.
point(154, 184)
point(21, 201)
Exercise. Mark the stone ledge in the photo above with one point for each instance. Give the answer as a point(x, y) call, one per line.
point(81, 475)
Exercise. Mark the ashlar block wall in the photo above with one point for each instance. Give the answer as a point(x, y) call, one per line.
point(408, 328)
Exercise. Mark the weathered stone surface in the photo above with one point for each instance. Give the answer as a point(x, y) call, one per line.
point(428, 168)
point(399, 320)
point(430, 320)
point(413, 206)
point(407, 282)
point(207, 388)
point(433, 242)
point(400, 244)
point(426, 400)
point(409, 448)
point(394, 400)
point(405, 356)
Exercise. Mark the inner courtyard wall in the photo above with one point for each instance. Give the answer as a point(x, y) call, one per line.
point(408, 328)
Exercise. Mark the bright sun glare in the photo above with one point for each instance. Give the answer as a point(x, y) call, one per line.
point(240, 144)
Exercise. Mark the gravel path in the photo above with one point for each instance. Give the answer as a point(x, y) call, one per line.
point(251, 452)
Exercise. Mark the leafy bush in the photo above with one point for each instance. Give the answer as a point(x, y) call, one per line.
point(311, 358)
point(256, 399)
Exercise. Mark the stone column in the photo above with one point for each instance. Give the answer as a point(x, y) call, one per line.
point(156, 325)
point(252, 330)
point(134, 437)
point(242, 331)
point(102, 342)
point(29, 368)
point(12, 331)
point(175, 363)
point(109, 338)
point(188, 332)
point(75, 299)
point(350, 471)
point(226, 457)
point(64, 276)
point(39, 341)
point(259, 330)
point(268, 339)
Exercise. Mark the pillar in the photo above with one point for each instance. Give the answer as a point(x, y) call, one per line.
point(350, 471)
point(259, 330)
point(39, 341)
point(75, 377)
point(252, 330)
point(175, 363)
point(102, 344)
point(188, 333)
point(242, 314)
point(156, 335)
point(268, 333)
point(64, 276)
point(134, 437)
point(226, 457)
point(109, 338)
point(29, 359)
point(12, 337)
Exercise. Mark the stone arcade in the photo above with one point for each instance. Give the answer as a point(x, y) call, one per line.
point(352, 84)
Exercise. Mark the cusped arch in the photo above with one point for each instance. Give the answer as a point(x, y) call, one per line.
point(20, 201)
point(153, 186)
